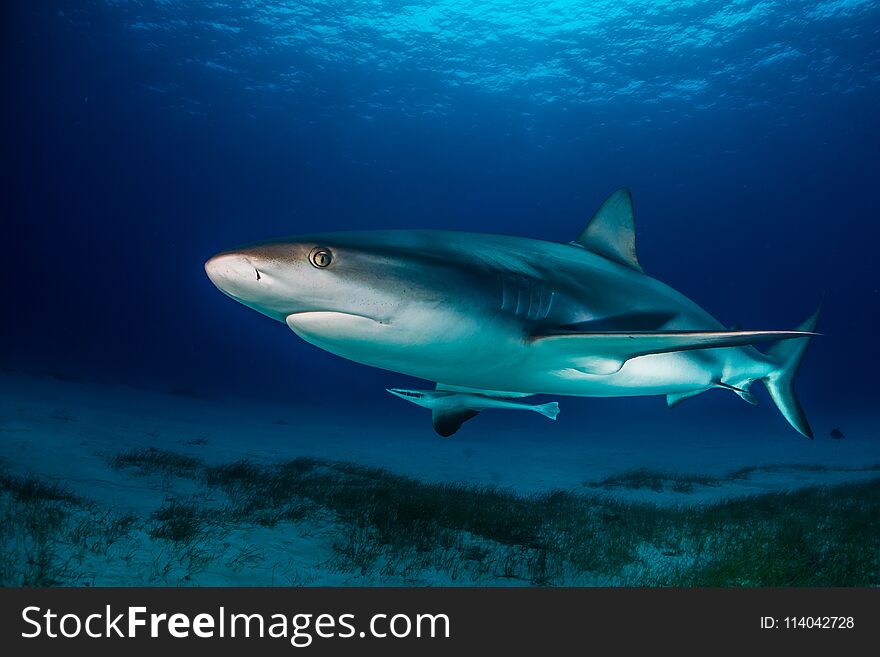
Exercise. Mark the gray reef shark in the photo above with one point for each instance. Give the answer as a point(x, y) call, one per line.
point(491, 318)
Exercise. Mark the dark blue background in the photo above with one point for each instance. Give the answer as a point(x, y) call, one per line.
point(113, 195)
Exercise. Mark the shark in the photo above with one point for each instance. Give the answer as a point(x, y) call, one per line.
point(490, 319)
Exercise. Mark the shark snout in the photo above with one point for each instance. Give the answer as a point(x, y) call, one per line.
point(234, 274)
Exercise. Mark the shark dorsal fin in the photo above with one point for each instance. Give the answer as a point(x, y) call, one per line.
point(612, 230)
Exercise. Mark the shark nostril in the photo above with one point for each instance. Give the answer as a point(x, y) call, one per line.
point(258, 273)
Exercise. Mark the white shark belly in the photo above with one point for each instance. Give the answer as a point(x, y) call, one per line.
point(654, 374)
point(494, 360)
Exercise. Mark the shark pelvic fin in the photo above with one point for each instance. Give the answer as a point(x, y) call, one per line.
point(612, 231)
point(675, 399)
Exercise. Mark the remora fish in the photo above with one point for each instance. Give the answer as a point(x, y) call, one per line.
point(508, 316)
point(447, 407)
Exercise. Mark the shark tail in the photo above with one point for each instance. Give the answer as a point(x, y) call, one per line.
point(786, 357)
point(550, 409)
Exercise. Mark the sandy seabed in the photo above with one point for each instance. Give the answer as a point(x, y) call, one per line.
point(140, 487)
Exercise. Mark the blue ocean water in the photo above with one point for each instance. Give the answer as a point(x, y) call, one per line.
point(140, 138)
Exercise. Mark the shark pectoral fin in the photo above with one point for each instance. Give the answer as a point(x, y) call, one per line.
point(447, 422)
point(674, 400)
point(599, 353)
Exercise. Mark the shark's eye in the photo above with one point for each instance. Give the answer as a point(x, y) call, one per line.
point(320, 257)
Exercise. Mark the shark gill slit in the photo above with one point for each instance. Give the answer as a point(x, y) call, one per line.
point(519, 298)
point(525, 298)
point(534, 302)
point(505, 294)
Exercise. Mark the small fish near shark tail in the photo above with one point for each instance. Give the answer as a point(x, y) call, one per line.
point(450, 409)
point(449, 420)
point(786, 357)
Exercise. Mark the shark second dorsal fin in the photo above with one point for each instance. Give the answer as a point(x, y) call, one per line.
point(612, 230)
point(674, 399)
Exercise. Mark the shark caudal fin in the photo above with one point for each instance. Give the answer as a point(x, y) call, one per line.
point(786, 356)
point(550, 409)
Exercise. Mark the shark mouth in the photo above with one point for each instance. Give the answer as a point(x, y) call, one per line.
point(308, 315)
